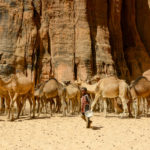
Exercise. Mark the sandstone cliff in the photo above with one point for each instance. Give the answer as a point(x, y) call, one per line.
point(72, 39)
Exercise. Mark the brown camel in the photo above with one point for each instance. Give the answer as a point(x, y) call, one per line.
point(17, 86)
point(54, 89)
point(5, 100)
point(112, 87)
point(43, 101)
point(91, 89)
point(38, 94)
point(147, 75)
point(72, 96)
point(140, 88)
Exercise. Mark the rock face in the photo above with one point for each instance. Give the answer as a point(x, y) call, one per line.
point(74, 39)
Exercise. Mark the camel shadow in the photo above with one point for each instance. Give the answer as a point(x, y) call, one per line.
point(38, 118)
point(28, 118)
point(148, 115)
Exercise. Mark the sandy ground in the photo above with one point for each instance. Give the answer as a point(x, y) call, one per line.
point(69, 133)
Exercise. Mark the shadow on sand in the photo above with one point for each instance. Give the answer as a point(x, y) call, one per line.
point(96, 128)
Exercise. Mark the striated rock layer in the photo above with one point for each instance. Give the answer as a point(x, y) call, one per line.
point(74, 39)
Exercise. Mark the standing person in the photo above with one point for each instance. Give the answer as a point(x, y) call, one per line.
point(85, 106)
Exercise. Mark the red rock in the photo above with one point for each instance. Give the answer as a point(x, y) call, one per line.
point(74, 39)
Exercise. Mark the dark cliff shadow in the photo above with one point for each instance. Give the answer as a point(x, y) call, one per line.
point(143, 10)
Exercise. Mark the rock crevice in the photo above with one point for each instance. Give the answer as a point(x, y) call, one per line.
point(74, 39)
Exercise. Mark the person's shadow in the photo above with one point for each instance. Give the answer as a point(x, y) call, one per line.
point(96, 128)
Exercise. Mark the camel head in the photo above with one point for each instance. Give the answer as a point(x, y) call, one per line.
point(66, 82)
point(78, 82)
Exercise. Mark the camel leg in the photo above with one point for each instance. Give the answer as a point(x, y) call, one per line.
point(30, 101)
point(112, 105)
point(143, 105)
point(64, 106)
point(73, 106)
point(139, 102)
point(125, 107)
point(78, 102)
point(101, 105)
point(38, 101)
point(58, 105)
point(9, 108)
point(46, 103)
point(23, 106)
point(95, 101)
point(39, 108)
point(68, 105)
point(41, 105)
point(135, 107)
point(146, 107)
point(108, 104)
point(2, 105)
point(20, 106)
point(34, 105)
point(105, 107)
point(129, 108)
point(115, 105)
point(51, 108)
point(12, 105)
point(91, 96)
point(54, 109)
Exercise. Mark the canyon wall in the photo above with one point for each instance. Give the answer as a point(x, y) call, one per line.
point(74, 39)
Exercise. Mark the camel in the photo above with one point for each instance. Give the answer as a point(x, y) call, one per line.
point(112, 87)
point(73, 96)
point(147, 74)
point(5, 99)
point(41, 99)
point(91, 89)
point(54, 89)
point(38, 94)
point(140, 88)
point(17, 86)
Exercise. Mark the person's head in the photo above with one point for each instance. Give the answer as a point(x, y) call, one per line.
point(83, 90)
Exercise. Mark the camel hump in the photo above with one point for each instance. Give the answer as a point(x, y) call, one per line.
point(53, 79)
point(146, 72)
point(139, 79)
point(51, 84)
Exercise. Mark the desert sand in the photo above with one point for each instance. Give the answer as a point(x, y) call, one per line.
point(69, 133)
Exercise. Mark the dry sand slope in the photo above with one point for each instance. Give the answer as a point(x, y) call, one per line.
point(69, 133)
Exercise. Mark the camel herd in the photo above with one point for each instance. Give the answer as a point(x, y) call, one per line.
point(107, 94)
